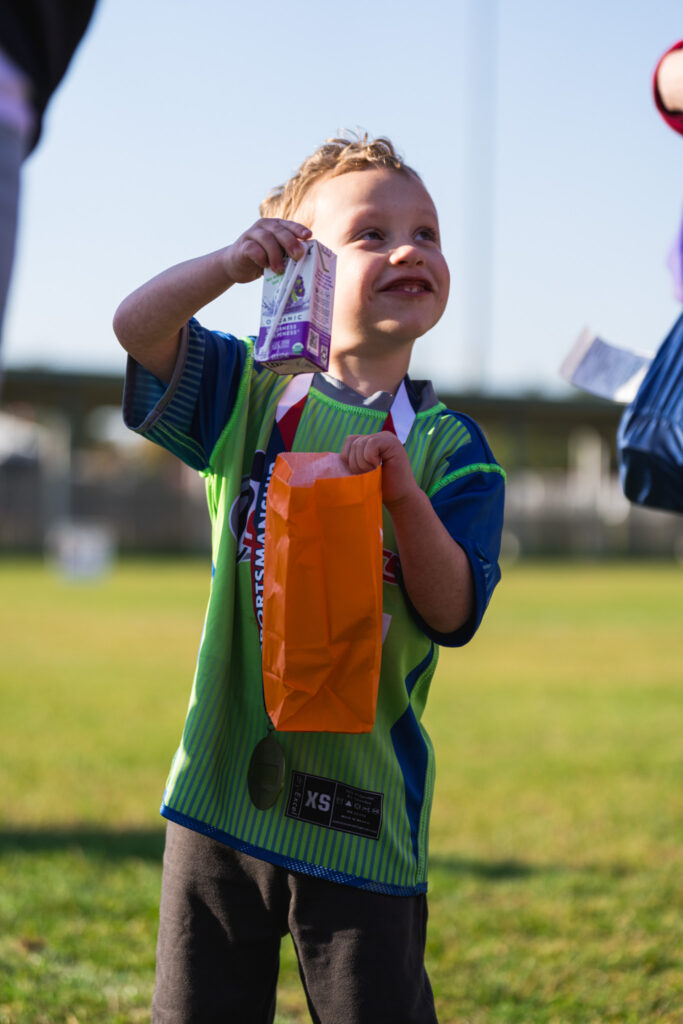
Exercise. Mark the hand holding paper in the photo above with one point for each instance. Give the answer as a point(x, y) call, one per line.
point(365, 452)
point(435, 569)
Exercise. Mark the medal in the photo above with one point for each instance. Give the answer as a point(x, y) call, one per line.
point(266, 775)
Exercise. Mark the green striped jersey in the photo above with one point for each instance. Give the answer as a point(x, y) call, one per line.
point(355, 808)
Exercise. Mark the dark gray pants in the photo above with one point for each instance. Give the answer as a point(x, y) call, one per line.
point(223, 914)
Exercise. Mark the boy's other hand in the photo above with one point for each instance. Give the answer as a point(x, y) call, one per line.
point(365, 452)
point(263, 245)
point(670, 81)
point(435, 569)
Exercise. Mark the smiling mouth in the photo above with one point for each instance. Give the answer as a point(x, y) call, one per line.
point(409, 286)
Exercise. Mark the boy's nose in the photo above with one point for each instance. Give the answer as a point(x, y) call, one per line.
point(406, 253)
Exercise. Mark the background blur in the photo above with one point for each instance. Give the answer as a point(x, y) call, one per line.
point(559, 190)
point(555, 858)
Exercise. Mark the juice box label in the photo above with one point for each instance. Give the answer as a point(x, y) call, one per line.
point(296, 313)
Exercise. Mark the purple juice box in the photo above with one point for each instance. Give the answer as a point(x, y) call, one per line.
point(296, 313)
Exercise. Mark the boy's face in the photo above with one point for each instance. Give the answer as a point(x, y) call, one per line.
point(392, 279)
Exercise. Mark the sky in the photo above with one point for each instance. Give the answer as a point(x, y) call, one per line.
point(559, 188)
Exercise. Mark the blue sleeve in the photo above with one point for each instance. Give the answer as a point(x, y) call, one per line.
point(469, 500)
point(650, 434)
point(188, 416)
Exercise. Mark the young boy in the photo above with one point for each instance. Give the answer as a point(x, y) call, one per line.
point(351, 890)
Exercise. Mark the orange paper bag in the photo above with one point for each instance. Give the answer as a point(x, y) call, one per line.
point(322, 595)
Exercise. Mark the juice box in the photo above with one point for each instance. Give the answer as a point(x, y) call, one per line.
point(296, 313)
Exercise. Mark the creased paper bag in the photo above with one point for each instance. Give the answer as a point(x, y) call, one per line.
point(322, 596)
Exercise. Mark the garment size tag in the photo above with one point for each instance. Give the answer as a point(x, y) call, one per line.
point(335, 805)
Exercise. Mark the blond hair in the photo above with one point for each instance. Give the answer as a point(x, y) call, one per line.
point(334, 157)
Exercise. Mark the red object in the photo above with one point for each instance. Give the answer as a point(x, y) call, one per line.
point(673, 118)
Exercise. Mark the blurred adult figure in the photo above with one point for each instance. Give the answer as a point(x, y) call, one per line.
point(668, 93)
point(37, 41)
point(650, 436)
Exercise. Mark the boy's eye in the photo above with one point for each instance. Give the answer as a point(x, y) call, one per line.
point(427, 234)
point(371, 234)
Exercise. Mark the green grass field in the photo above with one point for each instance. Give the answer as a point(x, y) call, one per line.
point(556, 853)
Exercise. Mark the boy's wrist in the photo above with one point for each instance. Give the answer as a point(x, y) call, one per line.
point(227, 269)
point(406, 503)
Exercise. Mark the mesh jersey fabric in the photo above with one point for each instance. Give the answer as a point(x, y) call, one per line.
point(216, 415)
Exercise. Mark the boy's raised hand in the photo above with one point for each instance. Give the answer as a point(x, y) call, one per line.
point(264, 245)
point(149, 321)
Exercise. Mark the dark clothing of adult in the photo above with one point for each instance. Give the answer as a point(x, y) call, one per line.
point(40, 36)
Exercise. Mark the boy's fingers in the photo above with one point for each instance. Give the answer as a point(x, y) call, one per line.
point(276, 240)
point(346, 447)
point(290, 236)
point(270, 246)
point(255, 252)
point(289, 233)
point(373, 448)
point(361, 453)
point(349, 453)
point(300, 230)
point(266, 243)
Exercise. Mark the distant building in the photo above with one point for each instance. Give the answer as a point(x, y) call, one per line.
point(65, 458)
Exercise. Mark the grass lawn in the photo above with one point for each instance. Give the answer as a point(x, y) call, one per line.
point(556, 852)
